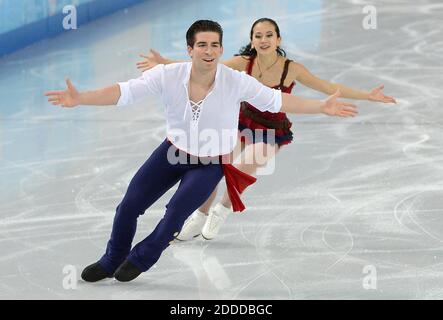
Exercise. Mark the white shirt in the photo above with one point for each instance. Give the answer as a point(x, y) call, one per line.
point(211, 127)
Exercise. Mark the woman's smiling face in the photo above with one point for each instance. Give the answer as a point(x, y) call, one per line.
point(264, 38)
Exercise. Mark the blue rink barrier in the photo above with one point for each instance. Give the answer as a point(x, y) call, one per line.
point(51, 26)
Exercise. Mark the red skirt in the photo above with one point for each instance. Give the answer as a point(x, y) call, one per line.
point(255, 120)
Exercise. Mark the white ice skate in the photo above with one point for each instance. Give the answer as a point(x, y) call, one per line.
point(216, 218)
point(192, 227)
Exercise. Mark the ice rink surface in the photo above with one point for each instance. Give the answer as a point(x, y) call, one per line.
point(350, 201)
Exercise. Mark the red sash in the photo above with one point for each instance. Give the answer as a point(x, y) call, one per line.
point(236, 182)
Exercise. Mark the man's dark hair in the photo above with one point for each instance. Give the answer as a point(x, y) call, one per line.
point(203, 26)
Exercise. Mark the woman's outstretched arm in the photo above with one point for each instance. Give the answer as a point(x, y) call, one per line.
point(306, 78)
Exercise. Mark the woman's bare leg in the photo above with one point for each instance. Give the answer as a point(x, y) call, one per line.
point(253, 157)
point(249, 162)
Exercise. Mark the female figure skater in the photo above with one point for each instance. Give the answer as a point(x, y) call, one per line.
point(263, 59)
point(200, 96)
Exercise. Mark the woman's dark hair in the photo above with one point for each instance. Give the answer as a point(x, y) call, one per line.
point(248, 51)
point(203, 26)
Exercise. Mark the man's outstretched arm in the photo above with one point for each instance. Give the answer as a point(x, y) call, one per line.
point(71, 97)
point(330, 106)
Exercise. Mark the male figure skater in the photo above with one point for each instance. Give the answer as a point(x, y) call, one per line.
point(202, 100)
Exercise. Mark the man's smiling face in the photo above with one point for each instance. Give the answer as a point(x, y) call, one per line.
point(206, 51)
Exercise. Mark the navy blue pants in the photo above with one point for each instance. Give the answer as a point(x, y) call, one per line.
point(153, 179)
